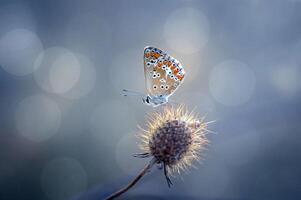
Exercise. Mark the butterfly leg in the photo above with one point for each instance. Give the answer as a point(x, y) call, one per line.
point(169, 183)
point(141, 155)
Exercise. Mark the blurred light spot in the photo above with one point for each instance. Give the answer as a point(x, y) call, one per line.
point(86, 80)
point(18, 50)
point(58, 70)
point(16, 16)
point(232, 83)
point(111, 120)
point(286, 78)
point(187, 30)
point(127, 71)
point(125, 149)
point(38, 118)
point(63, 178)
point(64, 73)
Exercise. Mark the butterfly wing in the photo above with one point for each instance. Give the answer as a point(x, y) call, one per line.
point(163, 73)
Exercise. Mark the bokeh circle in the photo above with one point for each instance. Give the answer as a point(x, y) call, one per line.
point(86, 81)
point(38, 118)
point(57, 70)
point(18, 50)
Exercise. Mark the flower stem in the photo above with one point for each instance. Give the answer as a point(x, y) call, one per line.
point(133, 182)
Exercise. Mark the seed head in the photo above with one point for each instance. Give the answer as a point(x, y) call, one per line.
point(174, 137)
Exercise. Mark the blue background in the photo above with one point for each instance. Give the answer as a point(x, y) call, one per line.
point(67, 133)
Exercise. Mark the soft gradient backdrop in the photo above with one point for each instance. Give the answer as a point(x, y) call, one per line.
point(67, 133)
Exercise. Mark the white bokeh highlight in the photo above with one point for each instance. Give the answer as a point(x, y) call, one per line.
point(86, 81)
point(18, 50)
point(187, 30)
point(57, 70)
point(232, 83)
point(63, 178)
point(286, 79)
point(37, 118)
point(65, 73)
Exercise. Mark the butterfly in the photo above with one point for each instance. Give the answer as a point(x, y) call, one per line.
point(163, 75)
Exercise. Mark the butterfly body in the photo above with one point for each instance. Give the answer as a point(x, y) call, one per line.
point(163, 75)
point(155, 100)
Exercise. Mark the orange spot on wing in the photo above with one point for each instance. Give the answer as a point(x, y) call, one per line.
point(156, 55)
point(172, 67)
point(175, 71)
point(180, 77)
point(159, 64)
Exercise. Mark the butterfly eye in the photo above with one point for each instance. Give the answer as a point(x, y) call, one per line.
point(166, 87)
point(148, 64)
point(154, 75)
point(162, 87)
point(158, 75)
point(155, 87)
point(163, 67)
point(171, 76)
point(169, 72)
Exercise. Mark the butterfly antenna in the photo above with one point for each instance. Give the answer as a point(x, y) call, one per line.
point(131, 93)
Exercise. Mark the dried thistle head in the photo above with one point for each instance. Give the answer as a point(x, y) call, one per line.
point(174, 138)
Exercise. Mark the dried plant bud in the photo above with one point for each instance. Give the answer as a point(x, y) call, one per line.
point(174, 138)
point(170, 142)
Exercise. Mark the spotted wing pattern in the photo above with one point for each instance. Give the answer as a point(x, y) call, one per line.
point(163, 73)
